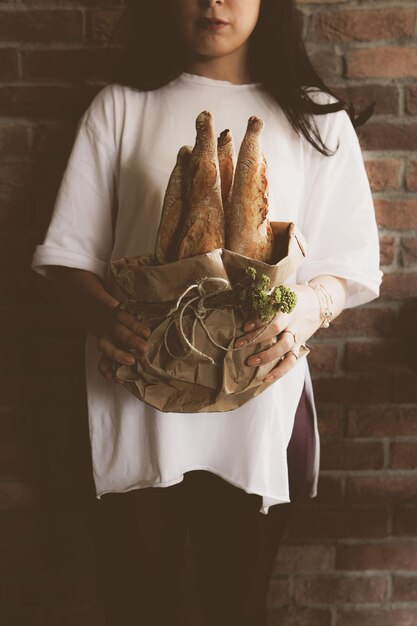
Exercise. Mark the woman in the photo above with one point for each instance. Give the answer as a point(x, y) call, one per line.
point(229, 479)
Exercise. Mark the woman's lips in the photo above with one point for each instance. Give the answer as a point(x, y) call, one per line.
point(209, 24)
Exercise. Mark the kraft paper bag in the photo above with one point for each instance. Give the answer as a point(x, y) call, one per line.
point(191, 307)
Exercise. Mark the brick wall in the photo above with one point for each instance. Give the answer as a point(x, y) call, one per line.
point(351, 555)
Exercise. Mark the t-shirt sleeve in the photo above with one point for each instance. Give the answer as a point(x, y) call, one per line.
point(339, 220)
point(80, 233)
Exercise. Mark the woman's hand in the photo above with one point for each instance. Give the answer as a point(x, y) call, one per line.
point(292, 329)
point(118, 333)
point(126, 335)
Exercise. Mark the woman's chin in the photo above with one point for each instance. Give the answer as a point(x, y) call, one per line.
point(213, 48)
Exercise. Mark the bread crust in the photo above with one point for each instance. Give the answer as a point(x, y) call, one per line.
point(173, 208)
point(249, 231)
point(227, 163)
point(203, 229)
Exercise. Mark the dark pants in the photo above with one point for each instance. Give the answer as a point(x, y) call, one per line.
point(141, 538)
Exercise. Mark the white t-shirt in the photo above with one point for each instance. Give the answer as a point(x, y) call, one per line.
point(109, 205)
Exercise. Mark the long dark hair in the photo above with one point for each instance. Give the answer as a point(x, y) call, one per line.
point(154, 54)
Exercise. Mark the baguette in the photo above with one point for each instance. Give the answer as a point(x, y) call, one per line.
point(172, 208)
point(227, 160)
point(249, 230)
point(203, 229)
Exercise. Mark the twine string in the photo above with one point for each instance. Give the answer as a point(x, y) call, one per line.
point(200, 311)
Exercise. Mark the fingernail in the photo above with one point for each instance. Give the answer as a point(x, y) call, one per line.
point(130, 360)
point(239, 343)
point(249, 325)
point(268, 379)
point(254, 361)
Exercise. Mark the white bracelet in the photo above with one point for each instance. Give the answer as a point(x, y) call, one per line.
point(326, 303)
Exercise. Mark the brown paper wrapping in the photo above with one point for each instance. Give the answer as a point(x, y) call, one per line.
point(191, 365)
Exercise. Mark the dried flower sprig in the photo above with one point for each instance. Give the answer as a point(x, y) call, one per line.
point(258, 300)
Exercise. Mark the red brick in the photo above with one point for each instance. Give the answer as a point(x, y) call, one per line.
point(339, 522)
point(389, 488)
point(329, 420)
point(403, 455)
point(370, 357)
point(339, 588)
point(411, 175)
point(362, 322)
point(68, 65)
point(49, 169)
point(399, 285)
point(323, 358)
point(42, 207)
point(386, 97)
point(13, 209)
point(329, 492)
point(388, 135)
point(301, 616)
point(348, 455)
point(387, 250)
point(382, 422)
point(389, 62)
point(377, 617)
point(278, 592)
point(411, 99)
point(364, 24)
point(328, 66)
point(391, 388)
point(15, 175)
point(404, 588)
point(405, 521)
point(106, 26)
point(383, 174)
point(48, 172)
point(47, 101)
point(41, 25)
point(9, 69)
point(51, 138)
point(304, 558)
point(302, 21)
point(408, 250)
point(14, 139)
point(396, 213)
point(391, 556)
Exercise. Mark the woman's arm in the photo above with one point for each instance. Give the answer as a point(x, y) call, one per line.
point(118, 332)
point(295, 328)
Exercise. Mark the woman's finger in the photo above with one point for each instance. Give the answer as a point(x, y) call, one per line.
point(113, 352)
point(133, 324)
point(129, 339)
point(284, 343)
point(282, 368)
point(274, 328)
point(107, 369)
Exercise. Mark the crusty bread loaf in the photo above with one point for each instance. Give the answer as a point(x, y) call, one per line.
point(249, 231)
point(203, 229)
point(172, 209)
point(227, 161)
